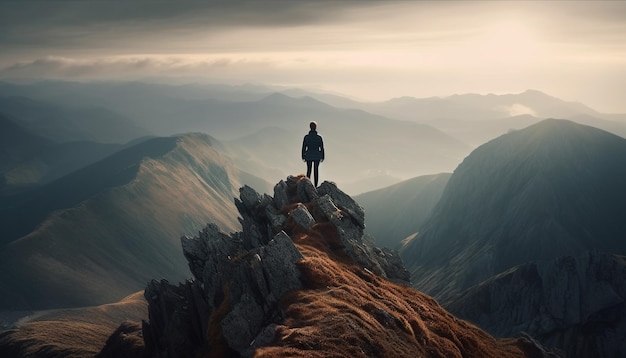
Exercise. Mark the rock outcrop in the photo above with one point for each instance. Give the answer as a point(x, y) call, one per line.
point(231, 307)
point(575, 304)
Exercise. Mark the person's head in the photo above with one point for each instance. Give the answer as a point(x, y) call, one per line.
point(313, 125)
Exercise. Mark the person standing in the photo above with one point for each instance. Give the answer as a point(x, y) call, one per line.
point(313, 151)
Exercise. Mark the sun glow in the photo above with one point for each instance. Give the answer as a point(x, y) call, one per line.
point(504, 43)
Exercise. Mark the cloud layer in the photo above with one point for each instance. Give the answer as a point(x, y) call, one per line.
point(370, 49)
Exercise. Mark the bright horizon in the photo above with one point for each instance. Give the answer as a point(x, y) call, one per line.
point(574, 50)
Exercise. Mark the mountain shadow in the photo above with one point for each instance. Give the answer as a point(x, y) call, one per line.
point(105, 230)
point(553, 189)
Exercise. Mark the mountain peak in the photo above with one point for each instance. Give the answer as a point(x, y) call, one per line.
point(552, 189)
point(301, 279)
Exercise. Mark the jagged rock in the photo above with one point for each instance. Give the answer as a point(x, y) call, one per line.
point(125, 342)
point(392, 263)
point(249, 197)
point(574, 304)
point(383, 263)
point(306, 191)
point(177, 320)
point(231, 307)
point(277, 220)
point(302, 216)
point(343, 202)
point(280, 195)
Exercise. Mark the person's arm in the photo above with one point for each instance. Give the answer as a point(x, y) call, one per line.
point(322, 148)
point(303, 147)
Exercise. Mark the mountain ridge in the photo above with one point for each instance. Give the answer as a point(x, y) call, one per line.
point(549, 190)
point(109, 244)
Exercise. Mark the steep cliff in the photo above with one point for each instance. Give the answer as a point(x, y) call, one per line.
point(576, 304)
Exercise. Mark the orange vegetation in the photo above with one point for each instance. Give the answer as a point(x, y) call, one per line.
point(78, 332)
point(346, 311)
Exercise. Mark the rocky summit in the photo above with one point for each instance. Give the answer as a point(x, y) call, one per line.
point(300, 279)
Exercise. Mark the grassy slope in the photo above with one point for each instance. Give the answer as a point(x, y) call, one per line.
point(346, 311)
point(80, 332)
point(114, 242)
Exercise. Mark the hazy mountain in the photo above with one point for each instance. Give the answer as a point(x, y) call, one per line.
point(100, 233)
point(475, 119)
point(28, 160)
point(481, 107)
point(478, 132)
point(358, 145)
point(372, 180)
point(65, 124)
point(17, 145)
point(552, 189)
point(395, 212)
point(159, 107)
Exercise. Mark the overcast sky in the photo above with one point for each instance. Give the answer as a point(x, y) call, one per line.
point(573, 50)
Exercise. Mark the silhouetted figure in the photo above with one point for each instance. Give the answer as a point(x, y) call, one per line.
point(313, 151)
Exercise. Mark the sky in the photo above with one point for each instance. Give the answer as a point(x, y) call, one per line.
point(368, 50)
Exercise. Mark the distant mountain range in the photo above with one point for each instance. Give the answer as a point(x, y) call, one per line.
point(28, 160)
point(70, 123)
point(100, 233)
point(475, 119)
point(358, 142)
point(445, 128)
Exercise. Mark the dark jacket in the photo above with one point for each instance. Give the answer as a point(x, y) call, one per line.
point(312, 147)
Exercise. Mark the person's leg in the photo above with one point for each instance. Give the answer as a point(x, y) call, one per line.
point(316, 166)
point(308, 168)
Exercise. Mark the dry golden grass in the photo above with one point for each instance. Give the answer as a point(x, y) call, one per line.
point(346, 311)
point(80, 332)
